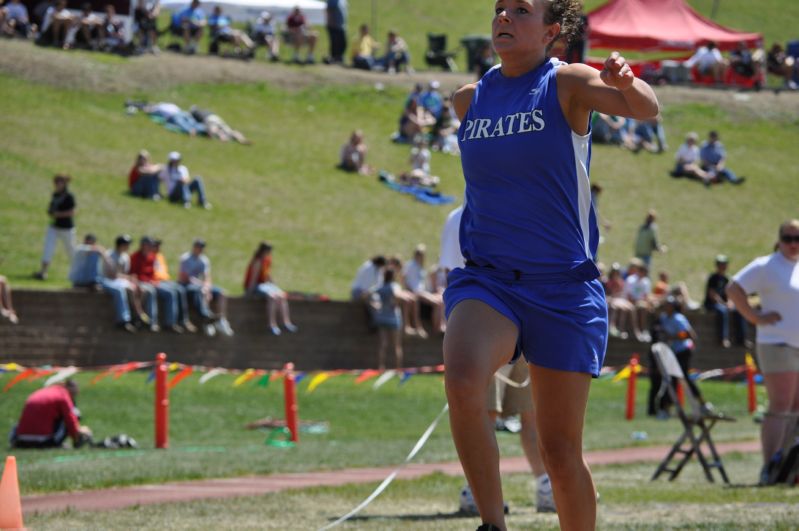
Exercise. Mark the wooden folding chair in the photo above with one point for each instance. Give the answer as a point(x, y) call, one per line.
point(696, 424)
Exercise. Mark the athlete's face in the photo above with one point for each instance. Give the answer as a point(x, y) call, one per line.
point(518, 27)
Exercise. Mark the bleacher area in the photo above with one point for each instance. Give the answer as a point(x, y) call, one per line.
point(74, 327)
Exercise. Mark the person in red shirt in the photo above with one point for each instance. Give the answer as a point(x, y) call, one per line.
point(301, 35)
point(142, 266)
point(143, 178)
point(258, 282)
point(48, 417)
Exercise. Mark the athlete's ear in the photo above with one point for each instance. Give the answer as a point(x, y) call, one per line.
point(552, 33)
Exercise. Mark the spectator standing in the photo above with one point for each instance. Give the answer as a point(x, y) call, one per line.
point(714, 160)
point(179, 183)
point(258, 282)
point(6, 305)
point(646, 241)
point(687, 161)
point(388, 318)
point(143, 178)
point(142, 267)
point(353, 154)
point(397, 54)
point(336, 13)
point(301, 35)
point(48, 417)
point(716, 301)
point(189, 24)
point(365, 49)
point(775, 278)
point(195, 275)
point(62, 228)
point(264, 33)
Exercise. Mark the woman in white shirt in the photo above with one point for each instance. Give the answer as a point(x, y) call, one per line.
point(687, 163)
point(775, 278)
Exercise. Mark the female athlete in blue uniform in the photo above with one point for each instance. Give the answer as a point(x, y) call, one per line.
point(529, 236)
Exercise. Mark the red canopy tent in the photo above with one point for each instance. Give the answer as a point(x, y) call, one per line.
point(659, 25)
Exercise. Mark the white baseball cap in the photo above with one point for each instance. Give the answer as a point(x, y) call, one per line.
point(174, 155)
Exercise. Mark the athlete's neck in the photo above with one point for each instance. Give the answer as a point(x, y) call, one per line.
point(520, 65)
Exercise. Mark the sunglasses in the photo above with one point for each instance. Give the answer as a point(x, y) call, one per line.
point(789, 238)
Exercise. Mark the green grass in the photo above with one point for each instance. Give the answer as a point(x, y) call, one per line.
point(628, 501)
point(366, 428)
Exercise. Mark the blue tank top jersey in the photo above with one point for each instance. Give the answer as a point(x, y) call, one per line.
point(528, 201)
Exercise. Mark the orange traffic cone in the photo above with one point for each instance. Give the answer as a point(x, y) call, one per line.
point(10, 506)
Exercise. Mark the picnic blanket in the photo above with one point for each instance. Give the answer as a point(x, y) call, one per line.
point(421, 193)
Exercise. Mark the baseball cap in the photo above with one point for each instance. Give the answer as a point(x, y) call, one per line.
point(123, 239)
point(146, 240)
point(174, 155)
point(722, 259)
point(199, 242)
point(434, 84)
point(266, 15)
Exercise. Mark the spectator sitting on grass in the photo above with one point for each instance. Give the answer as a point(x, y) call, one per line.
point(397, 55)
point(301, 35)
point(608, 129)
point(116, 275)
point(216, 127)
point(258, 282)
point(142, 267)
point(145, 19)
point(353, 154)
point(445, 130)
point(189, 23)
point(195, 276)
point(363, 52)
point(161, 274)
point(687, 164)
point(48, 417)
point(16, 21)
point(6, 305)
point(415, 120)
point(221, 30)
point(180, 185)
point(263, 33)
point(62, 228)
point(432, 100)
point(143, 179)
point(714, 160)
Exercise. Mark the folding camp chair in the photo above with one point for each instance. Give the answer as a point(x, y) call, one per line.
point(696, 424)
point(437, 54)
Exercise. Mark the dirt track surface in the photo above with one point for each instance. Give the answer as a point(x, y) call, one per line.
point(185, 491)
point(100, 73)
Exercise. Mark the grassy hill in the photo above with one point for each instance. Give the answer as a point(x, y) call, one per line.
point(64, 112)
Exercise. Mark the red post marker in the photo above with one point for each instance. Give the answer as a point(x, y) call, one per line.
point(680, 393)
point(630, 413)
point(161, 402)
point(290, 399)
point(750, 385)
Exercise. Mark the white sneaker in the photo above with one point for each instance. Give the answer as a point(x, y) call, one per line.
point(544, 500)
point(224, 327)
point(467, 505)
point(209, 330)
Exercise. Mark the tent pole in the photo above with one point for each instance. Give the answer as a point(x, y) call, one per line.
point(714, 10)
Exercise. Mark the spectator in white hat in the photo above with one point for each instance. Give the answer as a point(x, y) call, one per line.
point(263, 33)
point(179, 183)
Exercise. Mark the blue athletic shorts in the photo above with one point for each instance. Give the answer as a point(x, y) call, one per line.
point(562, 319)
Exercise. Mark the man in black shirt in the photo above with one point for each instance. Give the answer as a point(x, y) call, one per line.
point(62, 228)
point(716, 301)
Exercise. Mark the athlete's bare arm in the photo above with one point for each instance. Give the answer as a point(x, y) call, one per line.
point(462, 99)
point(615, 90)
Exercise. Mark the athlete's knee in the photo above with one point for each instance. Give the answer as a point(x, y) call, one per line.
point(561, 455)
